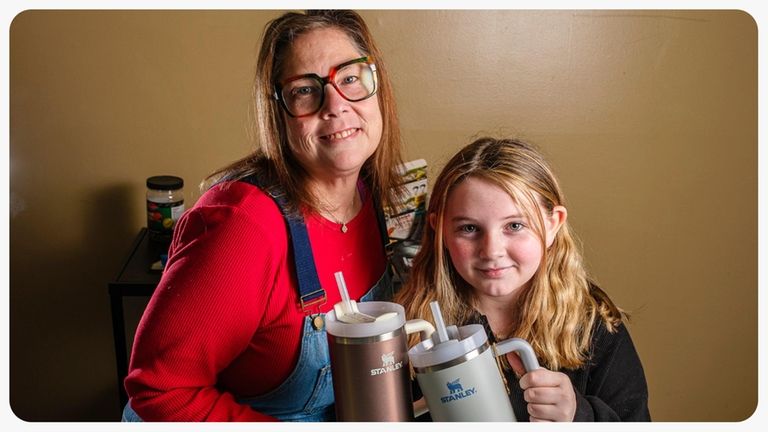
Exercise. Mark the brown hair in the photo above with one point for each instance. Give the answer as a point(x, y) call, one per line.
point(272, 157)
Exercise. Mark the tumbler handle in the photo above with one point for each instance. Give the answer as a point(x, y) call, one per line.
point(420, 407)
point(419, 325)
point(426, 329)
point(520, 346)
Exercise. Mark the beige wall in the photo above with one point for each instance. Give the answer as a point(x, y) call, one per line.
point(650, 118)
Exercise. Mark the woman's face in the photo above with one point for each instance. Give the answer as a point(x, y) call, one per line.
point(491, 243)
point(337, 140)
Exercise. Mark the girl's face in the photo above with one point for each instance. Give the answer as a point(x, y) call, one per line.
point(337, 140)
point(492, 245)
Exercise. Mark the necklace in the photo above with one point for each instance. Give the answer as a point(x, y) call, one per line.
point(344, 228)
point(342, 222)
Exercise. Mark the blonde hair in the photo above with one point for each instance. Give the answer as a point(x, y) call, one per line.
point(273, 157)
point(557, 312)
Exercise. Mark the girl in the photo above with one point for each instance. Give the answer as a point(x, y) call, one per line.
point(498, 251)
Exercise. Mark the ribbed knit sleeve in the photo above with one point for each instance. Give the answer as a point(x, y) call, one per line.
point(204, 313)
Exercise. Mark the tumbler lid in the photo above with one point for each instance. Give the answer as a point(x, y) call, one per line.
point(463, 340)
point(379, 327)
point(447, 343)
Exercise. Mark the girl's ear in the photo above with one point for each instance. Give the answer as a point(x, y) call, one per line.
point(553, 222)
point(432, 219)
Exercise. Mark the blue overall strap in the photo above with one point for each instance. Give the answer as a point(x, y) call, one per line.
point(311, 294)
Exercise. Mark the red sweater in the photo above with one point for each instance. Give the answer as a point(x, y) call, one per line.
point(225, 321)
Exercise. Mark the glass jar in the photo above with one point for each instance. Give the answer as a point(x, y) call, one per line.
point(165, 204)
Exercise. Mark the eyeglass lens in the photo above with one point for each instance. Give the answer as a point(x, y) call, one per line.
point(304, 95)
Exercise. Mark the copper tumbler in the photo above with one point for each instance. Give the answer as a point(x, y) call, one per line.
point(369, 363)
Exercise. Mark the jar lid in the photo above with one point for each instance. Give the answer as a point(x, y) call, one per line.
point(165, 182)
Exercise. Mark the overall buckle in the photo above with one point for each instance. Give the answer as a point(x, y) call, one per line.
point(312, 303)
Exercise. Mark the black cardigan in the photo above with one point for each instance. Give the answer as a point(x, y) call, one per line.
point(610, 386)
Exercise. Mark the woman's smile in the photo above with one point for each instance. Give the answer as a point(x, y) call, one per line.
point(346, 133)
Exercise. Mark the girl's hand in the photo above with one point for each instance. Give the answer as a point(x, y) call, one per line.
point(550, 395)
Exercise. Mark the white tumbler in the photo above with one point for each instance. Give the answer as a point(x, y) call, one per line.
point(458, 374)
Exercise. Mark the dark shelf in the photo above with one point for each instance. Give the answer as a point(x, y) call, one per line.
point(134, 279)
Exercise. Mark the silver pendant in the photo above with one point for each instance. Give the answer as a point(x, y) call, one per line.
point(344, 228)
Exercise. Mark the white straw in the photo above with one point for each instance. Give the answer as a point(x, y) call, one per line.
point(343, 290)
point(442, 333)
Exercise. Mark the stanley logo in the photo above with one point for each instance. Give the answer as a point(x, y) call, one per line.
point(387, 364)
point(456, 391)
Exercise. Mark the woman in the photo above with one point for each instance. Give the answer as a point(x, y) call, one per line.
point(498, 251)
point(234, 330)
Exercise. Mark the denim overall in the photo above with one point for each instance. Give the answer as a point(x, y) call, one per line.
point(307, 394)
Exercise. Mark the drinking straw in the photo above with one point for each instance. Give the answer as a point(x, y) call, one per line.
point(442, 333)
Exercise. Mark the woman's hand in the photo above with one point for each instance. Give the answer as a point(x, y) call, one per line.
point(550, 395)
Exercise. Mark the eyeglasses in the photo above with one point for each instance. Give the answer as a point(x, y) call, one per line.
point(303, 95)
